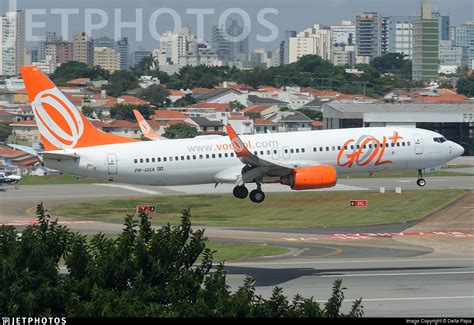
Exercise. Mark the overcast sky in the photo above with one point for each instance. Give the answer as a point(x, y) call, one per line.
point(292, 14)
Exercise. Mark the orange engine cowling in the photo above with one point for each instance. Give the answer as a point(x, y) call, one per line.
point(314, 177)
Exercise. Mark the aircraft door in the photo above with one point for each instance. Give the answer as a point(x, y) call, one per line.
point(112, 163)
point(418, 144)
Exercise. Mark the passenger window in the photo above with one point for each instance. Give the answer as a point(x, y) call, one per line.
point(358, 146)
point(152, 159)
point(398, 144)
point(365, 146)
point(261, 153)
point(135, 161)
point(370, 146)
point(386, 145)
point(352, 147)
point(207, 156)
point(392, 145)
point(220, 155)
point(269, 152)
point(158, 159)
point(314, 149)
point(338, 147)
point(320, 148)
point(182, 157)
point(176, 158)
point(232, 154)
point(213, 155)
point(297, 150)
point(164, 159)
point(255, 153)
point(275, 152)
point(201, 156)
point(188, 157)
point(345, 147)
point(292, 151)
point(141, 160)
point(194, 157)
point(171, 158)
point(408, 143)
point(147, 160)
point(403, 144)
point(226, 155)
point(327, 148)
point(333, 148)
point(302, 150)
point(286, 150)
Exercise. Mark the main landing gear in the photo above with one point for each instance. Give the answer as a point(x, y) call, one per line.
point(256, 196)
point(421, 181)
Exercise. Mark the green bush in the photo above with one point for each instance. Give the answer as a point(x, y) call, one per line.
point(142, 273)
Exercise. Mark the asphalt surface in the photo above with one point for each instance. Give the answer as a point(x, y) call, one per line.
point(398, 270)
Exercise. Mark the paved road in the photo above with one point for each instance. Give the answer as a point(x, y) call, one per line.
point(416, 275)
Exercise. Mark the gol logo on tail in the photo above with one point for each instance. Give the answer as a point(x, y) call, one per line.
point(57, 119)
point(144, 127)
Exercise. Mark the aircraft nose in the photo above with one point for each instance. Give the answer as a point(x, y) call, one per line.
point(457, 150)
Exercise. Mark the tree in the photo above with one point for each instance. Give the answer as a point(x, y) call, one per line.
point(465, 86)
point(125, 112)
point(144, 272)
point(185, 101)
point(180, 131)
point(5, 131)
point(73, 69)
point(155, 94)
point(120, 81)
point(235, 105)
point(87, 111)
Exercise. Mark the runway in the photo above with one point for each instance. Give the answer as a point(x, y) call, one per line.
point(411, 269)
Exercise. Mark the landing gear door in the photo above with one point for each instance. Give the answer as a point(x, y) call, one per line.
point(112, 163)
point(418, 144)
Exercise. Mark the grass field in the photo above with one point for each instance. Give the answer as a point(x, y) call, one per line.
point(280, 210)
point(229, 252)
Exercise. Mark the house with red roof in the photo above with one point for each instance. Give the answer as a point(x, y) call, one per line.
point(260, 110)
point(17, 161)
point(163, 115)
point(261, 125)
point(174, 95)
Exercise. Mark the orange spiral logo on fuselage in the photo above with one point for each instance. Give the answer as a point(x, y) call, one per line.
point(59, 122)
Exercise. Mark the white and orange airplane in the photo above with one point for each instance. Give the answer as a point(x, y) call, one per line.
point(300, 160)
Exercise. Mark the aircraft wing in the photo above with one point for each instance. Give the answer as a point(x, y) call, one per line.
point(26, 149)
point(259, 167)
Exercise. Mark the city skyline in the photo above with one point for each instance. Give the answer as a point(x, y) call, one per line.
point(289, 17)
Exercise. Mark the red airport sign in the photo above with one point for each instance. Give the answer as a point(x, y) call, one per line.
point(147, 208)
point(358, 203)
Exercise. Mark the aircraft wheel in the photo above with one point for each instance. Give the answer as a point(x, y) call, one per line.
point(421, 182)
point(240, 192)
point(257, 196)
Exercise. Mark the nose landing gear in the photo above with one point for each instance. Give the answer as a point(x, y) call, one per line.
point(421, 181)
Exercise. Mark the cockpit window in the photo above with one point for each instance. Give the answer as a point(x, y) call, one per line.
point(440, 139)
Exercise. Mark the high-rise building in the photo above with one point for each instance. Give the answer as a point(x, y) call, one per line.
point(138, 56)
point(176, 45)
point(53, 47)
point(12, 43)
point(107, 58)
point(450, 54)
point(463, 36)
point(384, 35)
point(104, 41)
point(425, 45)
point(443, 25)
point(400, 34)
point(83, 48)
point(123, 49)
point(228, 47)
point(285, 47)
point(368, 35)
point(315, 40)
point(343, 40)
point(260, 58)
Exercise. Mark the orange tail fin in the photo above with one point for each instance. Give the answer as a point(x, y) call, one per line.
point(60, 123)
point(144, 126)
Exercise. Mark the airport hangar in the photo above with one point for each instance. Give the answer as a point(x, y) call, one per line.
point(454, 121)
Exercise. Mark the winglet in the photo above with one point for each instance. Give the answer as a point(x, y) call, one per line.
point(237, 144)
point(144, 126)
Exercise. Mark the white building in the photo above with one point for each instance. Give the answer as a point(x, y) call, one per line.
point(343, 41)
point(175, 45)
point(12, 43)
point(107, 59)
point(450, 54)
point(314, 40)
